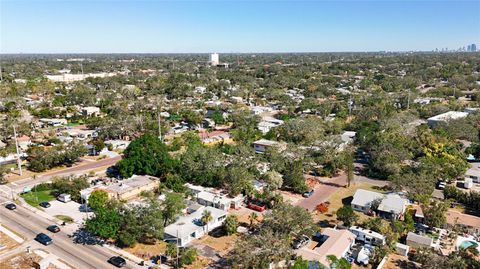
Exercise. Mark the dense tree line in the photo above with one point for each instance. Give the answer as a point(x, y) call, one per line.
point(42, 159)
point(471, 199)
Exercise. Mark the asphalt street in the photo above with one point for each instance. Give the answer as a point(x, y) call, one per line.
point(28, 224)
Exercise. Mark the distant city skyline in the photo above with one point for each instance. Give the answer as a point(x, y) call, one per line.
point(123, 26)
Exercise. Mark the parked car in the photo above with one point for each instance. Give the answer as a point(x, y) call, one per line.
point(308, 193)
point(53, 228)
point(118, 261)
point(300, 241)
point(44, 239)
point(257, 206)
point(45, 204)
point(11, 206)
point(357, 171)
point(441, 185)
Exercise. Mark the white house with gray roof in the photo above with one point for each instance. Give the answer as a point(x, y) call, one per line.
point(391, 205)
point(190, 227)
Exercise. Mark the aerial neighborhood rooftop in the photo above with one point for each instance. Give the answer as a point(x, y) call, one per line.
point(241, 160)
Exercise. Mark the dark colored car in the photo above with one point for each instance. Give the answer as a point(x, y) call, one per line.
point(53, 228)
point(300, 242)
point(118, 261)
point(308, 193)
point(45, 204)
point(10, 206)
point(44, 239)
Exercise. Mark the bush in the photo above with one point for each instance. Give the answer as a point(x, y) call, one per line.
point(43, 187)
point(188, 256)
point(322, 208)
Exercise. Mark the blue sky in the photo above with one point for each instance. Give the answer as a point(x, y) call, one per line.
point(103, 26)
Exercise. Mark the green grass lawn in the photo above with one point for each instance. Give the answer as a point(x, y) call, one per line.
point(67, 219)
point(73, 124)
point(34, 198)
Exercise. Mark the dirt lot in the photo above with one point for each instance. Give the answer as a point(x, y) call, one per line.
point(221, 244)
point(22, 261)
point(146, 251)
point(7, 242)
point(200, 263)
point(396, 261)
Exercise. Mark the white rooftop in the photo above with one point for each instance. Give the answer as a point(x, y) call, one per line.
point(265, 142)
point(365, 198)
point(450, 115)
point(393, 203)
point(188, 224)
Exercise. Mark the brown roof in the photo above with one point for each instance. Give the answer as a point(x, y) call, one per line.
point(454, 217)
point(205, 135)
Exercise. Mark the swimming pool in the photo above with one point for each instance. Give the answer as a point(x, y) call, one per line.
point(466, 244)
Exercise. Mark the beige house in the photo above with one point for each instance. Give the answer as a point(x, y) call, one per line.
point(125, 189)
point(335, 242)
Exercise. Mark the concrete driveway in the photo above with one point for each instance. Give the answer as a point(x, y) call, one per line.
point(322, 192)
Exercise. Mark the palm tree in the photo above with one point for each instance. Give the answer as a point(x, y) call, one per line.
point(206, 218)
point(253, 217)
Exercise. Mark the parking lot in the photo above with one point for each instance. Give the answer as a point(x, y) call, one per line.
point(71, 209)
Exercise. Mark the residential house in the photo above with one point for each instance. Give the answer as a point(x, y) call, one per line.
point(24, 142)
point(214, 198)
point(333, 242)
point(215, 137)
point(53, 122)
point(418, 217)
point(363, 200)
point(445, 117)
point(118, 144)
point(268, 123)
point(125, 189)
point(390, 206)
point(91, 111)
point(80, 134)
point(418, 241)
point(262, 145)
point(474, 174)
point(190, 227)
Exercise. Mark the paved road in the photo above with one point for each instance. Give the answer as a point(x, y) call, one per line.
point(79, 256)
point(18, 186)
point(322, 192)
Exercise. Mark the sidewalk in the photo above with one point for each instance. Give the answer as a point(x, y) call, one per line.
point(133, 258)
point(11, 234)
point(48, 258)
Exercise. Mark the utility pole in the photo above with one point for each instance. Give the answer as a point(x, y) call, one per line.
point(350, 105)
point(18, 150)
point(81, 66)
point(408, 100)
point(176, 265)
point(159, 126)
